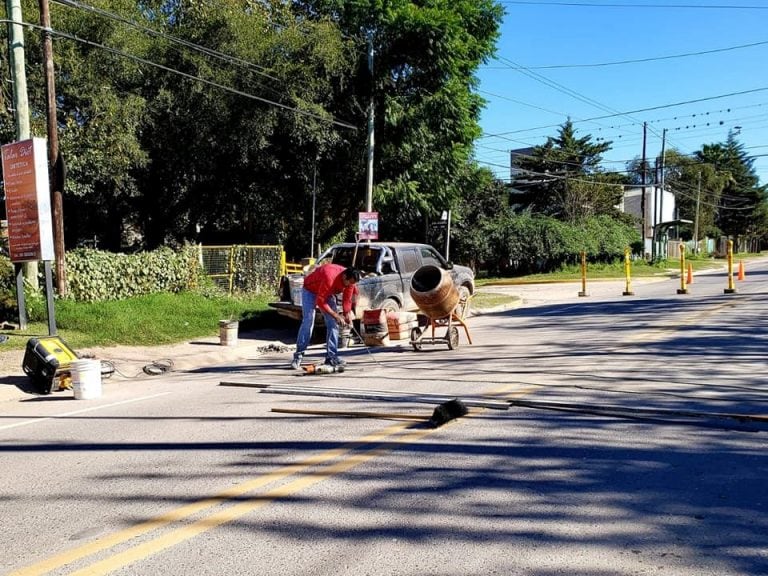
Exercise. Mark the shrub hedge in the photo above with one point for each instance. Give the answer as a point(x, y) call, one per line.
point(527, 243)
point(95, 275)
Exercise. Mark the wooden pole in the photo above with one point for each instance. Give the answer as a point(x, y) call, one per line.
point(55, 162)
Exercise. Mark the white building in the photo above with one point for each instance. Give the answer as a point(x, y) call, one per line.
point(660, 212)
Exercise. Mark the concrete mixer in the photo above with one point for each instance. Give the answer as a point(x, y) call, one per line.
point(440, 306)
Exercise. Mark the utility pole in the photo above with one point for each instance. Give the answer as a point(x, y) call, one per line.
point(26, 270)
point(55, 163)
point(18, 70)
point(655, 217)
point(645, 181)
point(369, 184)
point(696, 217)
point(661, 175)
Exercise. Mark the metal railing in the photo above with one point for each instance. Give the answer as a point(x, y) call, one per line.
point(245, 268)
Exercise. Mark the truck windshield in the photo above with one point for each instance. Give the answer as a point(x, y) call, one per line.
point(366, 260)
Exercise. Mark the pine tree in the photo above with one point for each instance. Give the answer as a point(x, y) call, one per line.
point(562, 178)
point(742, 209)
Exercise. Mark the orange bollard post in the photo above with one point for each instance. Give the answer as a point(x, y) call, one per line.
point(690, 273)
point(741, 270)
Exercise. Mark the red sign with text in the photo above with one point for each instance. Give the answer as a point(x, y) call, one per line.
point(28, 200)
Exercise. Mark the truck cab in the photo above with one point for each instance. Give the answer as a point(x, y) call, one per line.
point(386, 269)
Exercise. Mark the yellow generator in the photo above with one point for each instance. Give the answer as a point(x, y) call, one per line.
point(47, 362)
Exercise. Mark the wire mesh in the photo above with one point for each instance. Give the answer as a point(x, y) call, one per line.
point(243, 269)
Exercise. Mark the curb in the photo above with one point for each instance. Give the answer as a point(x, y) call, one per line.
point(129, 362)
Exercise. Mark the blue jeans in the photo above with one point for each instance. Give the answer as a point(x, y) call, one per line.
point(308, 306)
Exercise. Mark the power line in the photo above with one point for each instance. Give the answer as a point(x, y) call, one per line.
point(115, 51)
point(520, 102)
point(656, 6)
point(660, 107)
point(636, 61)
point(152, 32)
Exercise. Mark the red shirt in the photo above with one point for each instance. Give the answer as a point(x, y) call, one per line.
point(327, 280)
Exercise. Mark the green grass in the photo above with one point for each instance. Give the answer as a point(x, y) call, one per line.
point(147, 320)
point(484, 300)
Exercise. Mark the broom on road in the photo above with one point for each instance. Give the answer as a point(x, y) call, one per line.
point(443, 413)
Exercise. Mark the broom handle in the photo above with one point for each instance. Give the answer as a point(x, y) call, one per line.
point(353, 414)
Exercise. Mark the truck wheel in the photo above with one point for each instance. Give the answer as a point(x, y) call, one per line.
point(462, 308)
point(390, 305)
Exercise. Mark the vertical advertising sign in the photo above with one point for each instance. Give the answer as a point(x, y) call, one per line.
point(368, 225)
point(28, 200)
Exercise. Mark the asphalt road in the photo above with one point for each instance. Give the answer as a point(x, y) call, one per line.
point(653, 463)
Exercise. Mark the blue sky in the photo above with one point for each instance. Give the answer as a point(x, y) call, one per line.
point(525, 105)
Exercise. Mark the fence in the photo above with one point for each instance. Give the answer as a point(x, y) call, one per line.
point(245, 269)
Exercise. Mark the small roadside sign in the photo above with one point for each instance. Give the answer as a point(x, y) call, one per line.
point(368, 225)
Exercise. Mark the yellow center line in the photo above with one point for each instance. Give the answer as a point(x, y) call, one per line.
point(182, 533)
point(182, 512)
point(504, 391)
point(231, 513)
point(686, 321)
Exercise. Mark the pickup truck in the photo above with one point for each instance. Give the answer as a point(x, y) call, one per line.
point(386, 267)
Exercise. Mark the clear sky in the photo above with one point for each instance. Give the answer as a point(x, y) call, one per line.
point(557, 60)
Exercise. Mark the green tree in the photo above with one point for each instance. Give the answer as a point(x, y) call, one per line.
point(155, 156)
point(742, 207)
point(426, 110)
point(98, 122)
point(240, 168)
point(697, 187)
point(478, 216)
point(563, 178)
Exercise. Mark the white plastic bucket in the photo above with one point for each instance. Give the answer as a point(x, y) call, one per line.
point(296, 284)
point(228, 332)
point(86, 379)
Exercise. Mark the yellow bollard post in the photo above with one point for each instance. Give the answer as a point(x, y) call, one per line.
point(583, 274)
point(627, 274)
point(731, 286)
point(683, 287)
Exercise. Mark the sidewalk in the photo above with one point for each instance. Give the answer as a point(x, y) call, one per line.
point(129, 361)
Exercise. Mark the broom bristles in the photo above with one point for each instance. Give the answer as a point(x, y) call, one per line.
point(448, 411)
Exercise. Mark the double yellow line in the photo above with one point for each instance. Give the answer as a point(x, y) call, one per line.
point(384, 440)
point(346, 457)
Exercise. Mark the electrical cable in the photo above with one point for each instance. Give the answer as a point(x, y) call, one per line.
point(362, 340)
point(636, 61)
point(154, 368)
point(165, 365)
point(650, 108)
point(117, 52)
point(655, 6)
point(197, 47)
